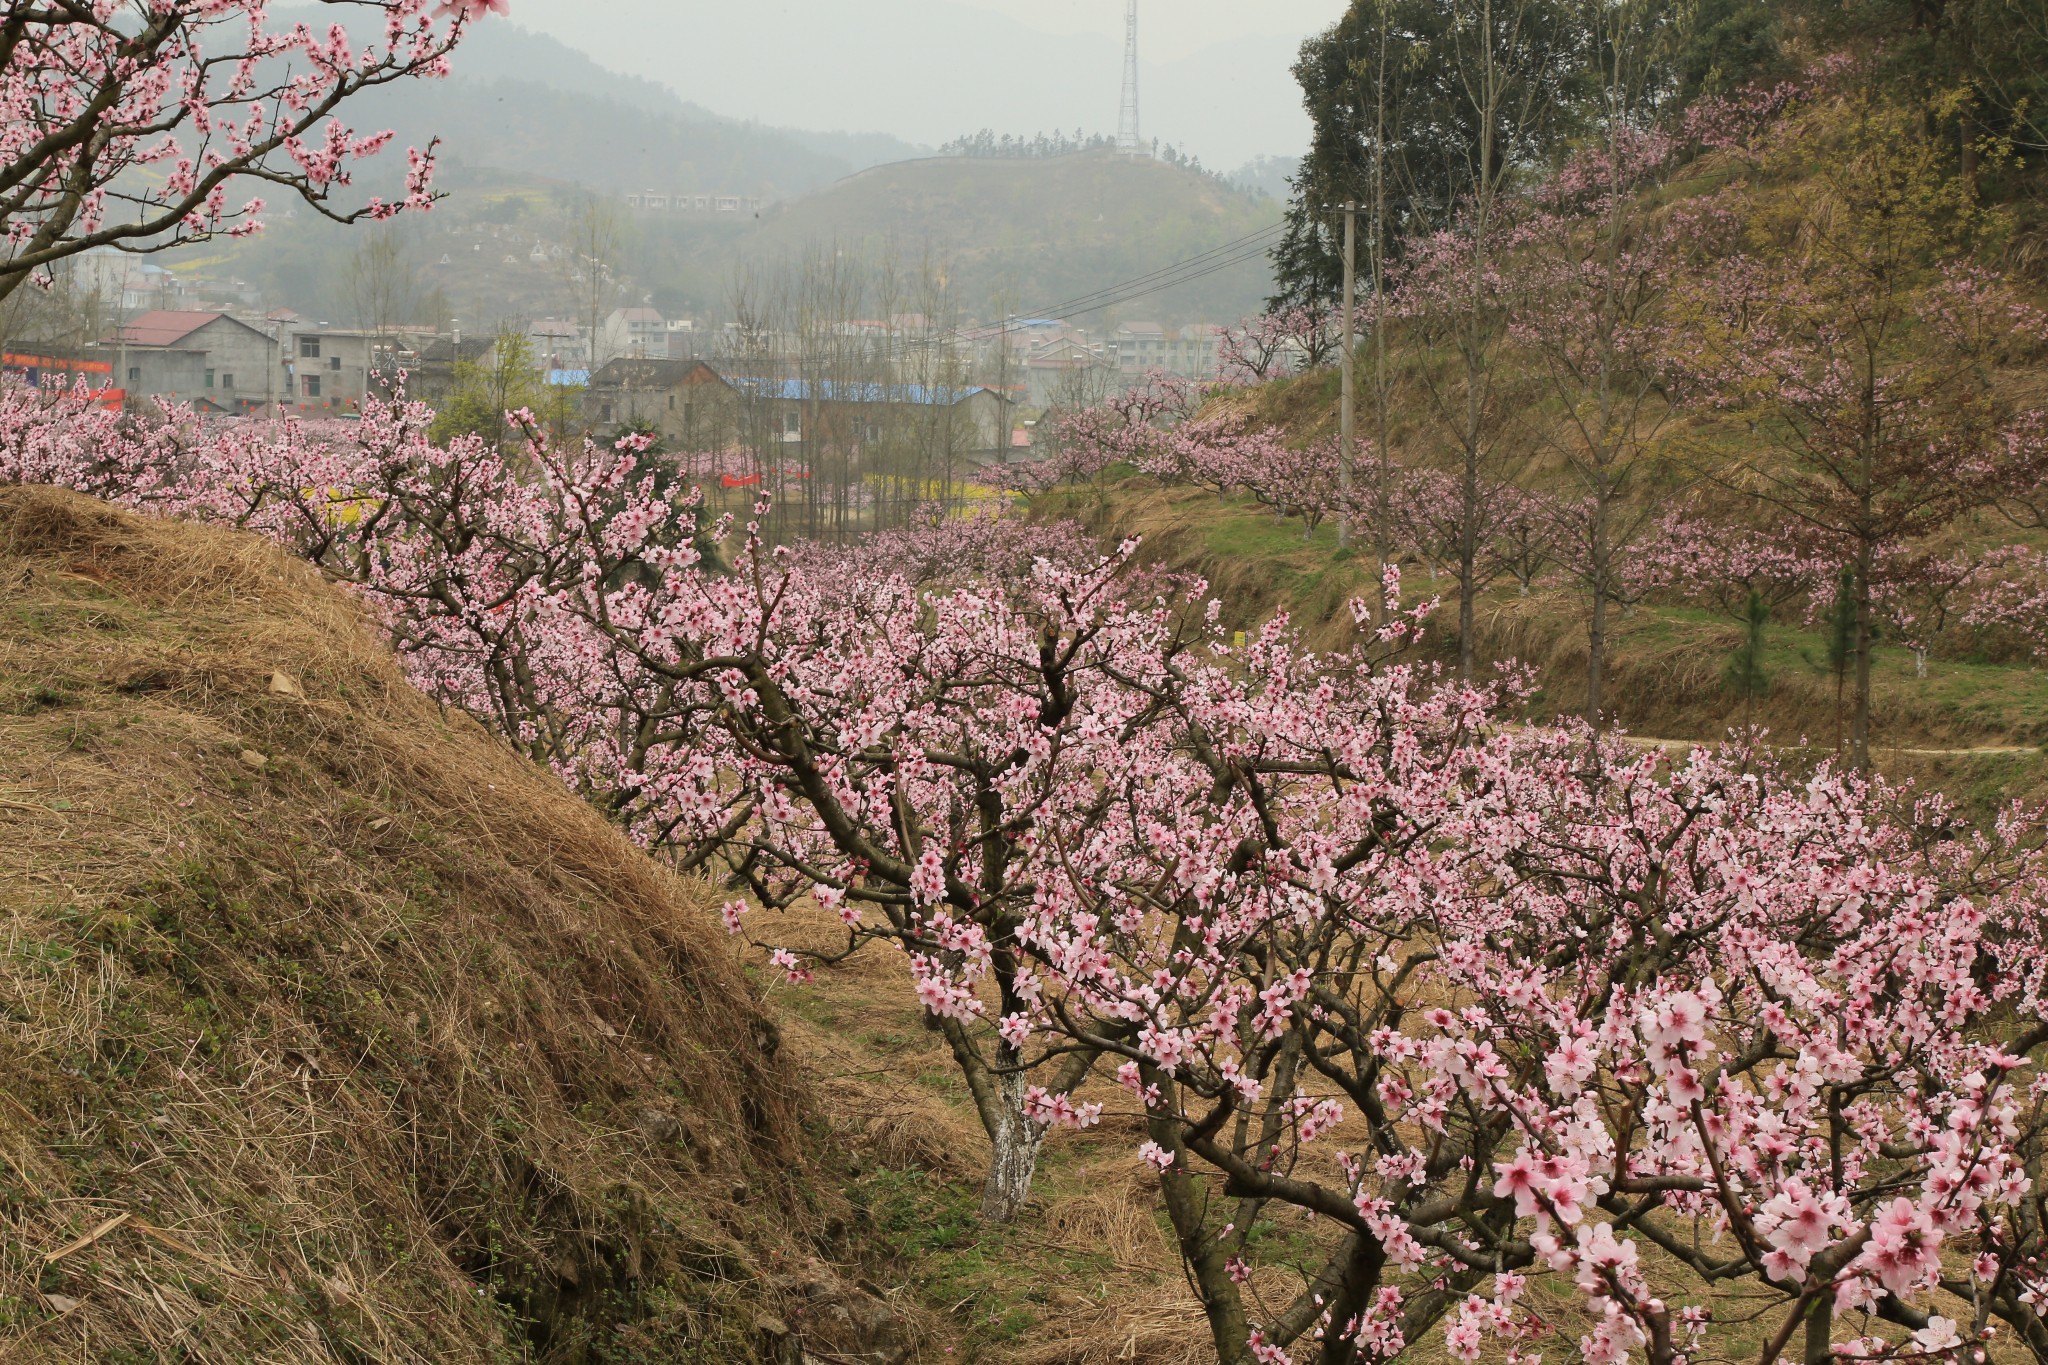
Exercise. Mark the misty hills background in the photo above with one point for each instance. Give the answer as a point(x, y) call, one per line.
point(930, 70)
point(523, 102)
point(529, 128)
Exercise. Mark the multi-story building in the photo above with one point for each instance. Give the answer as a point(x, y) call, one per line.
point(686, 402)
point(634, 334)
point(857, 415)
point(1191, 352)
point(1140, 346)
point(658, 201)
point(432, 376)
point(1068, 374)
point(129, 283)
point(330, 369)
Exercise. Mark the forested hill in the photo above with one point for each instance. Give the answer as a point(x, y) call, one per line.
point(1025, 234)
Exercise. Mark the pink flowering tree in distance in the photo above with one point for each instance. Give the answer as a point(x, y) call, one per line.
point(1500, 529)
point(1276, 345)
point(1921, 594)
point(1234, 457)
point(2009, 596)
point(1594, 271)
point(1866, 373)
point(1698, 559)
point(131, 126)
point(1453, 297)
point(1129, 427)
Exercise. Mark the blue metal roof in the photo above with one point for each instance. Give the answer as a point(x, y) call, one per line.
point(799, 391)
point(569, 379)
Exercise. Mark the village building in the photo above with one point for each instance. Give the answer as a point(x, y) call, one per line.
point(1193, 352)
point(332, 369)
point(208, 359)
point(635, 333)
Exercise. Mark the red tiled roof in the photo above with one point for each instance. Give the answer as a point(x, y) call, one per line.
point(165, 327)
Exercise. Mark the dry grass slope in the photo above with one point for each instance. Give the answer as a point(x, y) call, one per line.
point(331, 1031)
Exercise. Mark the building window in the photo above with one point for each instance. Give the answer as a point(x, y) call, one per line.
point(671, 402)
point(209, 379)
point(227, 381)
point(309, 348)
point(792, 426)
point(135, 374)
point(335, 364)
point(312, 386)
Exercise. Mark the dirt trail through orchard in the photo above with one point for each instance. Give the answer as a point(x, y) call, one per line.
point(1987, 750)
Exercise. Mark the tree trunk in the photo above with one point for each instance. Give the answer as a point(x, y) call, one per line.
point(1187, 1202)
point(1015, 1140)
point(1356, 1291)
point(1467, 612)
point(1596, 624)
point(1596, 658)
point(1859, 724)
point(1820, 1330)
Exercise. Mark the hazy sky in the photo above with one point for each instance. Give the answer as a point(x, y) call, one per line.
point(1215, 72)
point(1172, 29)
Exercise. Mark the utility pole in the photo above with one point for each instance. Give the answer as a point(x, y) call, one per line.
point(1347, 420)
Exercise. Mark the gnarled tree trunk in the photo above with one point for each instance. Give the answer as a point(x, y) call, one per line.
point(1015, 1141)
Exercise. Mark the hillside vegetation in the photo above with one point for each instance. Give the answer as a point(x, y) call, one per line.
point(1024, 234)
point(336, 1032)
point(1667, 661)
point(1753, 435)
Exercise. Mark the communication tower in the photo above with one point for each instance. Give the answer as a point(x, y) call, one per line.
point(1127, 139)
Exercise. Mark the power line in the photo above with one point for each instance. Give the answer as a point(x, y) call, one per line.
point(1085, 303)
point(1140, 288)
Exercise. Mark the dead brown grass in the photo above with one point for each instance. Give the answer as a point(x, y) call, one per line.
point(332, 1031)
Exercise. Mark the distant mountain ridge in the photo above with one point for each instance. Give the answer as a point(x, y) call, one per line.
point(522, 102)
point(929, 70)
point(527, 125)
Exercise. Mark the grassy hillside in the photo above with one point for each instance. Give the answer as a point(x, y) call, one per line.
point(1032, 233)
point(1978, 724)
point(332, 1031)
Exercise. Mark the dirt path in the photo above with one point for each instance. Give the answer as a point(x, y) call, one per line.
point(1988, 750)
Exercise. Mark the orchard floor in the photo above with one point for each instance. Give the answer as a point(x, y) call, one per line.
point(1088, 1275)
